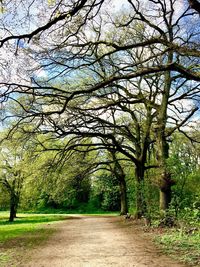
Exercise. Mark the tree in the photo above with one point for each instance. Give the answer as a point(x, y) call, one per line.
point(105, 192)
point(115, 69)
point(14, 171)
point(61, 177)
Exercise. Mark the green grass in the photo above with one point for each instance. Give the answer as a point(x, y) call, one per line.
point(181, 245)
point(28, 230)
point(82, 210)
point(4, 257)
point(24, 223)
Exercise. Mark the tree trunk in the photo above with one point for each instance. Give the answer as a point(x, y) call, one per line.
point(141, 206)
point(165, 199)
point(120, 175)
point(165, 185)
point(15, 212)
point(123, 196)
point(165, 182)
point(13, 207)
point(12, 211)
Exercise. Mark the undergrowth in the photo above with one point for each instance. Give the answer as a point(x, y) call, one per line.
point(182, 242)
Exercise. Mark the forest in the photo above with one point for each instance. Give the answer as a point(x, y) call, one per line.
point(100, 109)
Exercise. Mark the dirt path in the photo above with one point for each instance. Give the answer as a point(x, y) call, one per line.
point(98, 242)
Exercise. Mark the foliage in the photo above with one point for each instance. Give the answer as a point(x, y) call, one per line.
point(15, 155)
point(191, 215)
point(184, 166)
point(85, 80)
point(111, 81)
point(4, 199)
point(105, 193)
point(182, 245)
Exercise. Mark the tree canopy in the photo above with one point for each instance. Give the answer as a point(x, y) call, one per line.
point(121, 81)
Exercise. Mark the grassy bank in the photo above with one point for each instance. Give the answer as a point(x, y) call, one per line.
point(181, 244)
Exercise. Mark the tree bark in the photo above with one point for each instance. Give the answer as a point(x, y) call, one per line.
point(13, 206)
point(16, 207)
point(165, 199)
point(123, 196)
point(12, 210)
point(120, 175)
point(141, 206)
point(165, 182)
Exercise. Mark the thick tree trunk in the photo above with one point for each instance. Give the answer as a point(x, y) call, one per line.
point(15, 212)
point(123, 196)
point(165, 199)
point(165, 185)
point(165, 181)
point(141, 206)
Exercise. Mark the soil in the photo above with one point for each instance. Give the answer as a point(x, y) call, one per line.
point(89, 241)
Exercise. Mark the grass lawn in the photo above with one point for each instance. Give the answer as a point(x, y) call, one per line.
point(25, 223)
point(26, 231)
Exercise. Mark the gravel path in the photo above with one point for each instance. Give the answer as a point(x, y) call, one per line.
point(84, 241)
